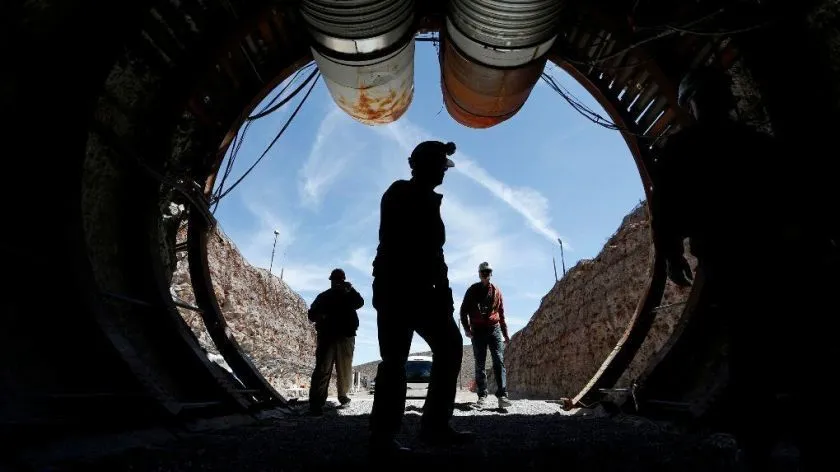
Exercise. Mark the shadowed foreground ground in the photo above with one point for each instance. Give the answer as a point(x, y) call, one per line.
point(507, 441)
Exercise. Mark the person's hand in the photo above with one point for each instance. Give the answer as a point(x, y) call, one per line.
point(679, 271)
point(468, 333)
point(507, 341)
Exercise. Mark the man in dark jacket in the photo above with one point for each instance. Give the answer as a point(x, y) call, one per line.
point(723, 185)
point(411, 293)
point(336, 320)
point(483, 318)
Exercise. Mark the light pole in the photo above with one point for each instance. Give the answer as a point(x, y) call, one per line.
point(272, 251)
point(562, 259)
point(281, 267)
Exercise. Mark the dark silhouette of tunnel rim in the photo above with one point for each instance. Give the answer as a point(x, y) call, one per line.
point(200, 138)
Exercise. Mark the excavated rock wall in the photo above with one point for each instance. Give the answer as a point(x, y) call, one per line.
point(580, 320)
point(266, 317)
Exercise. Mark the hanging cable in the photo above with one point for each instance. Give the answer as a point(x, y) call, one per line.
point(239, 138)
point(277, 106)
point(584, 110)
point(667, 32)
point(276, 138)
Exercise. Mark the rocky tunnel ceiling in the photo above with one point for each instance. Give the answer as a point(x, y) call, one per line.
point(118, 109)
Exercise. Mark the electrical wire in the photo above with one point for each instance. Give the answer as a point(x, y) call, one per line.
point(276, 138)
point(667, 32)
point(584, 110)
point(239, 138)
point(720, 33)
point(236, 145)
point(279, 105)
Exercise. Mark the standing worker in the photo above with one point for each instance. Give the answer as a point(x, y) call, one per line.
point(483, 318)
point(722, 185)
point(411, 293)
point(336, 320)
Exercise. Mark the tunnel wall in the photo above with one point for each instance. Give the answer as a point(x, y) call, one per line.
point(83, 360)
point(582, 317)
point(102, 345)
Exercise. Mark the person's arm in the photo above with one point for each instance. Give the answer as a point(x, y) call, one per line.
point(502, 322)
point(395, 218)
point(315, 314)
point(442, 276)
point(356, 299)
point(465, 312)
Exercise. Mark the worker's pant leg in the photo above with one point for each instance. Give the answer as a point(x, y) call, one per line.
point(325, 351)
point(344, 347)
point(395, 335)
point(441, 333)
point(496, 344)
point(479, 345)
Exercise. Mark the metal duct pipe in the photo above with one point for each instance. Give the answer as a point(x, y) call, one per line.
point(365, 52)
point(494, 53)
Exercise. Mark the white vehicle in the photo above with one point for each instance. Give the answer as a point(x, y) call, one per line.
point(418, 372)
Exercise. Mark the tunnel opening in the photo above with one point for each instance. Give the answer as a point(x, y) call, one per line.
point(124, 316)
point(465, 252)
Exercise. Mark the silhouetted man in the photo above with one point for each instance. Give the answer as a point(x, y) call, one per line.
point(336, 320)
point(483, 318)
point(411, 293)
point(722, 185)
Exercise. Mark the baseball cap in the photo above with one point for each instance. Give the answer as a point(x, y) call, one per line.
point(337, 274)
point(432, 153)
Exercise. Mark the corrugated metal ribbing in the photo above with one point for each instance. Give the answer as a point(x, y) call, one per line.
point(365, 51)
point(506, 23)
point(493, 56)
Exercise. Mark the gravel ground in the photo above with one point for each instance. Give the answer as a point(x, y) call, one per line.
point(531, 435)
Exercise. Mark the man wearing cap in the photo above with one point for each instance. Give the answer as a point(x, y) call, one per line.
point(483, 319)
point(336, 321)
point(411, 293)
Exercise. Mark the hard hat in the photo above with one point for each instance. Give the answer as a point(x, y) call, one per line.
point(432, 153)
point(485, 266)
point(337, 274)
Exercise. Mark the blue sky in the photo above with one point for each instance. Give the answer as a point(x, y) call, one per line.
point(548, 172)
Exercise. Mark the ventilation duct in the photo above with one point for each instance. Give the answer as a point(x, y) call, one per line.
point(365, 52)
point(493, 54)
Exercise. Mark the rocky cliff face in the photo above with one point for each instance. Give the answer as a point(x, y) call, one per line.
point(267, 318)
point(580, 320)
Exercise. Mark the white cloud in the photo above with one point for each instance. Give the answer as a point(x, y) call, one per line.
point(307, 279)
point(531, 204)
point(361, 259)
point(528, 202)
point(332, 150)
point(471, 239)
point(256, 243)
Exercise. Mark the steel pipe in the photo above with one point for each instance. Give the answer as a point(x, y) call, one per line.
point(493, 55)
point(365, 51)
